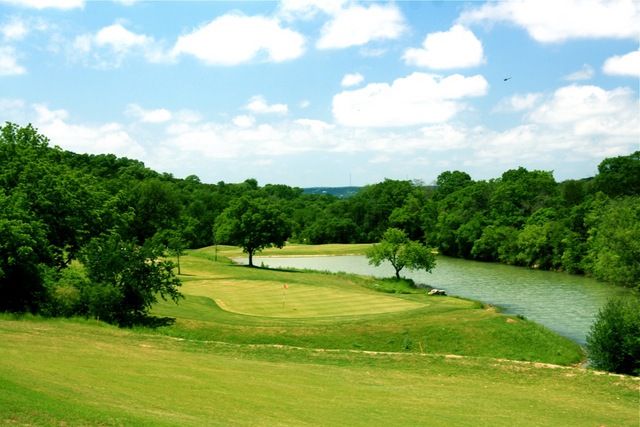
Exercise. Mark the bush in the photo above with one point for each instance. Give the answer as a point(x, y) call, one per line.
point(613, 343)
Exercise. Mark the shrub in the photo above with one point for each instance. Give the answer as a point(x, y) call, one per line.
point(613, 343)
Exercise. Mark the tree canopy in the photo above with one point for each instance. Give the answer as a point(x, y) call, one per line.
point(396, 248)
point(57, 206)
point(253, 224)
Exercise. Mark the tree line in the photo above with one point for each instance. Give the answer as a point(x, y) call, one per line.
point(117, 218)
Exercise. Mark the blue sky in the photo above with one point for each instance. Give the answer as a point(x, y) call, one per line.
point(328, 92)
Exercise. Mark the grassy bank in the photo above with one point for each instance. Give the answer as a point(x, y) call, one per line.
point(326, 350)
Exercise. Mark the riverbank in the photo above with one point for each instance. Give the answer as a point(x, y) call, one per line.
point(567, 304)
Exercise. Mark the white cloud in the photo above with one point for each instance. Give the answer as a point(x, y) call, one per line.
point(112, 44)
point(456, 48)
point(575, 122)
point(258, 105)
point(519, 102)
point(352, 79)
point(443, 137)
point(235, 39)
point(14, 30)
point(315, 126)
point(159, 115)
point(98, 139)
point(44, 4)
point(244, 121)
point(556, 21)
point(9, 62)
point(576, 104)
point(120, 39)
point(357, 25)
point(416, 99)
point(586, 73)
point(625, 65)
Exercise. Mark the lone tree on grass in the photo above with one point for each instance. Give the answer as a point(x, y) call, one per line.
point(253, 224)
point(401, 252)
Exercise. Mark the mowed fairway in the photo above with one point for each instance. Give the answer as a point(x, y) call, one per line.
point(336, 353)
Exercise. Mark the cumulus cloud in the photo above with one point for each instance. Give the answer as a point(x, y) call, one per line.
point(586, 73)
point(258, 105)
point(159, 115)
point(624, 65)
point(352, 79)
point(244, 121)
point(558, 21)
point(357, 25)
point(15, 29)
point(519, 102)
point(79, 138)
point(456, 48)
point(576, 104)
point(110, 45)
point(120, 39)
point(416, 99)
point(9, 62)
point(235, 39)
point(44, 4)
point(576, 122)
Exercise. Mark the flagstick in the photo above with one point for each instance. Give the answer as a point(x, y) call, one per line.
point(284, 293)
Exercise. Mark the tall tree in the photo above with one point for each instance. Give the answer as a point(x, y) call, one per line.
point(254, 224)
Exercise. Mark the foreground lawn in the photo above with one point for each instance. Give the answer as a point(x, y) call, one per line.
point(329, 349)
point(68, 373)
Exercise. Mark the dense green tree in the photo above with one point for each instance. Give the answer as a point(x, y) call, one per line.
point(519, 193)
point(614, 242)
point(613, 343)
point(373, 205)
point(125, 279)
point(449, 182)
point(24, 259)
point(619, 176)
point(497, 243)
point(156, 205)
point(462, 216)
point(401, 252)
point(410, 217)
point(253, 224)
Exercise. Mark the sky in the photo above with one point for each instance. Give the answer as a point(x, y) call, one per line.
point(328, 92)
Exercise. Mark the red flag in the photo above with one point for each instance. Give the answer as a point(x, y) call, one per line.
point(286, 286)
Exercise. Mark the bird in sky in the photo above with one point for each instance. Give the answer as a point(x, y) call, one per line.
point(506, 78)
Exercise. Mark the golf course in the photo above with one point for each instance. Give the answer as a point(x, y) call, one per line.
point(271, 347)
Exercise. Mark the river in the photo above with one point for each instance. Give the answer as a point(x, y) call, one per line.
point(564, 303)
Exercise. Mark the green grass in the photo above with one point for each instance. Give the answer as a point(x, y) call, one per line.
point(337, 353)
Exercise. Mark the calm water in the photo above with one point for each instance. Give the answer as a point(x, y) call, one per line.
point(564, 303)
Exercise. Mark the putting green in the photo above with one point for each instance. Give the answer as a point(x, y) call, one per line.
point(272, 299)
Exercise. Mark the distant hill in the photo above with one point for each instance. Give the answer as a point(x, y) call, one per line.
point(340, 192)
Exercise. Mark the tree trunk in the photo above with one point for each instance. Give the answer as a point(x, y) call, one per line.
point(250, 258)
